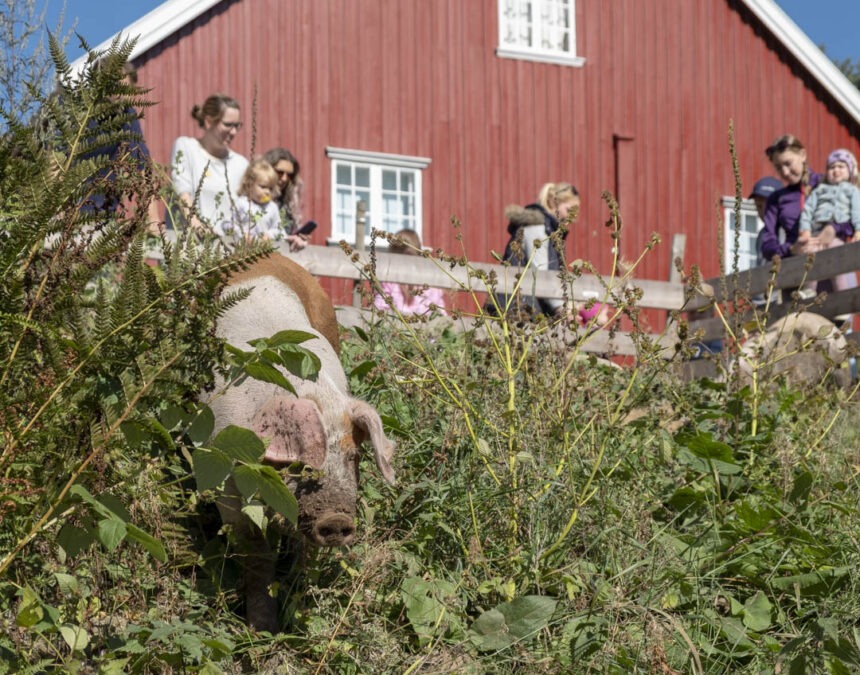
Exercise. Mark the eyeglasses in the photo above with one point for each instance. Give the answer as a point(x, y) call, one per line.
point(232, 125)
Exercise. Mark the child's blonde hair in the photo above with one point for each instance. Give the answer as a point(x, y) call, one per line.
point(260, 171)
point(553, 194)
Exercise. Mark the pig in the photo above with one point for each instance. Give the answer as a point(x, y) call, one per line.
point(803, 347)
point(322, 427)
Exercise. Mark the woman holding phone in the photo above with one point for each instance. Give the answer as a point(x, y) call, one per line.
point(290, 200)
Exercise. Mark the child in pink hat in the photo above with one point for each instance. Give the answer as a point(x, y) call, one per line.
point(836, 200)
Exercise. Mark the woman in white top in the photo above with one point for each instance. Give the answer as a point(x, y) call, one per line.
point(206, 173)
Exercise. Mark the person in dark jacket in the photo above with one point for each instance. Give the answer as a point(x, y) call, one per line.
point(527, 225)
point(784, 206)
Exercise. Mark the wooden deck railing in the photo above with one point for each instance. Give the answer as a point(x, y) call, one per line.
point(326, 261)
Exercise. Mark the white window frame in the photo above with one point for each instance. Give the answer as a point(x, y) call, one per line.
point(748, 257)
point(343, 218)
point(530, 33)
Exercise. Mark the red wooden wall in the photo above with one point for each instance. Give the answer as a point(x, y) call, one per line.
point(646, 117)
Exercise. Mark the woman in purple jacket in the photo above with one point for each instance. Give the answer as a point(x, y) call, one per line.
point(783, 208)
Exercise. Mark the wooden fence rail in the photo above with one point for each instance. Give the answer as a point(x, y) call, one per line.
point(330, 261)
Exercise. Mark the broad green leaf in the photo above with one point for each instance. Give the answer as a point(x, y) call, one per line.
point(756, 517)
point(240, 444)
point(703, 445)
point(812, 583)
point(283, 337)
point(115, 666)
point(221, 646)
point(135, 433)
point(84, 494)
point(425, 606)
point(757, 612)
point(528, 614)
point(801, 488)
point(362, 369)
point(267, 373)
point(519, 619)
point(115, 506)
point(201, 425)
point(256, 513)
point(73, 539)
point(111, 531)
point(300, 362)
point(172, 417)
point(75, 636)
point(29, 609)
point(66, 583)
point(211, 468)
point(150, 543)
point(277, 495)
point(247, 479)
point(490, 633)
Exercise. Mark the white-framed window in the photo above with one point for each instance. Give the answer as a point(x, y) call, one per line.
point(538, 30)
point(751, 225)
point(390, 186)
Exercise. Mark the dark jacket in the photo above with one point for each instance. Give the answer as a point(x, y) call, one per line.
point(520, 217)
point(523, 216)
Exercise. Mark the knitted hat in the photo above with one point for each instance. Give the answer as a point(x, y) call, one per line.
point(843, 155)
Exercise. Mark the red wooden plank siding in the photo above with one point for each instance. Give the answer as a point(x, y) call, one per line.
point(420, 77)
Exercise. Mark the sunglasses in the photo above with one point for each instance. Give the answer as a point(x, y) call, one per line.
point(282, 173)
point(232, 125)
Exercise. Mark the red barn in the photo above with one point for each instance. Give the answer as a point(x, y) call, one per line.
point(437, 108)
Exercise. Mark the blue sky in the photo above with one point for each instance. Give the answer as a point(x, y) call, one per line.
point(832, 23)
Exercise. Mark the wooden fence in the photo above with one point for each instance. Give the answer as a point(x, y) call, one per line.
point(792, 272)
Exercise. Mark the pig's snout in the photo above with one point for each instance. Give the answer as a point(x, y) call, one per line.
point(335, 529)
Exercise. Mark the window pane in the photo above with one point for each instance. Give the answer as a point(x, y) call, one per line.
point(407, 181)
point(344, 174)
point(389, 180)
point(389, 205)
point(407, 205)
point(362, 176)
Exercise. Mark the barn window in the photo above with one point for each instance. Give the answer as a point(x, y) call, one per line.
point(538, 30)
point(390, 186)
point(750, 226)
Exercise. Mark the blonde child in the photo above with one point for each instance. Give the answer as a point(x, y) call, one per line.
point(255, 213)
point(834, 201)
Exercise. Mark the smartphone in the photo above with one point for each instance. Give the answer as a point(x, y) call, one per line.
point(307, 228)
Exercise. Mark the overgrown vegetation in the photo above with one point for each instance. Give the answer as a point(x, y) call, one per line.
point(553, 513)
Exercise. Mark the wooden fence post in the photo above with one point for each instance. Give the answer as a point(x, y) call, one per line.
point(360, 228)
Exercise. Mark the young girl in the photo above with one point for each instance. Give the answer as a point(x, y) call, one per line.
point(255, 214)
point(837, 200)
point(405, 298)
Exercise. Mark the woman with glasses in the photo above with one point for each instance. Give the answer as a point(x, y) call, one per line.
point(290, 201)
point(205, 171)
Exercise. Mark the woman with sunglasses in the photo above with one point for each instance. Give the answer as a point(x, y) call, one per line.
point(206, 173)
point(290, 201)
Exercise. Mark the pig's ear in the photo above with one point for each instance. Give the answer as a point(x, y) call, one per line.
point(294, 430)
point(367, 423)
